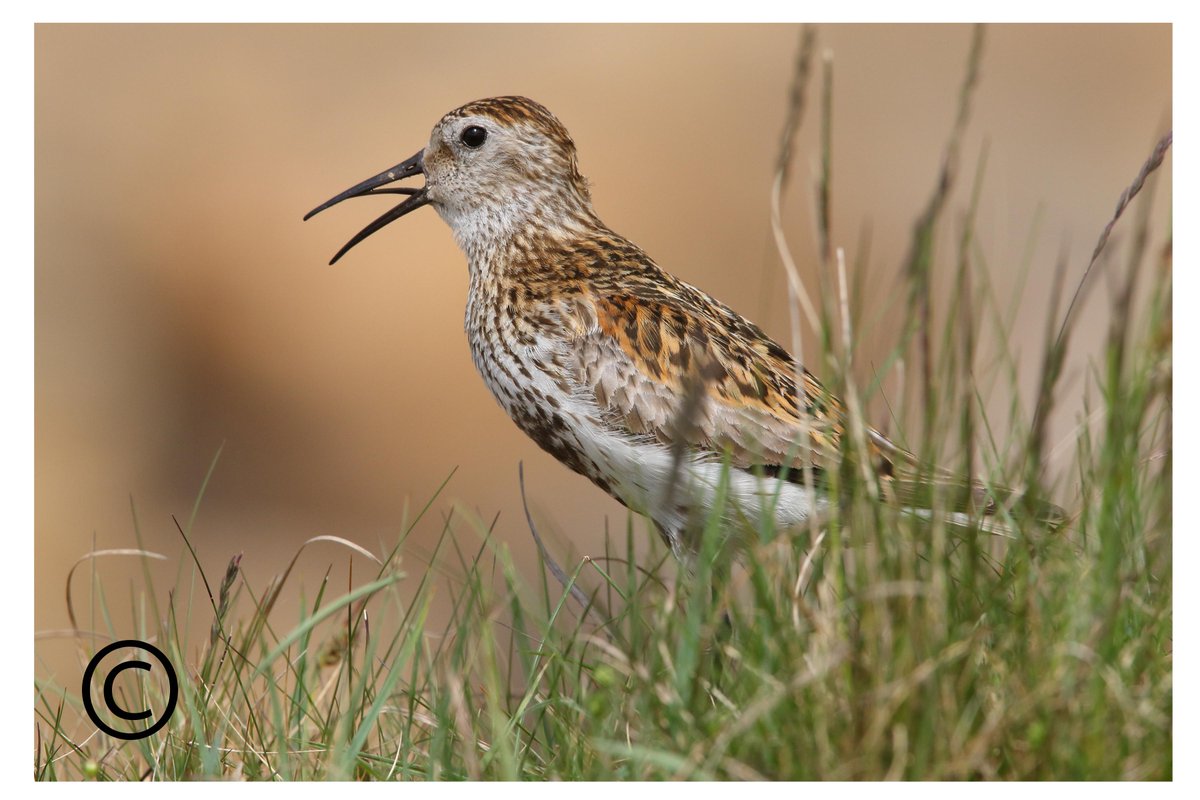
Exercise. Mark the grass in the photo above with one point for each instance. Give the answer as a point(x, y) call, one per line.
point(879, 646)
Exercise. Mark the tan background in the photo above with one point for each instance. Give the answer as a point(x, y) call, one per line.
point(181, 303)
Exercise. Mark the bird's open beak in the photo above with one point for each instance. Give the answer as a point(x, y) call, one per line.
point(416, 199)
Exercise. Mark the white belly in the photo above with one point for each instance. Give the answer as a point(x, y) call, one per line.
point(680, 497)
point(640, 471)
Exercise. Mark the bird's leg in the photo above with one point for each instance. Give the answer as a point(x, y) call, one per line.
point(721, 572)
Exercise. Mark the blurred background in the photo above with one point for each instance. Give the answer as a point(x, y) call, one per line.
point(182, 307)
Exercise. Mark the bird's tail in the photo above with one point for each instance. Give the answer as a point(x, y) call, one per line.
point(971, 503)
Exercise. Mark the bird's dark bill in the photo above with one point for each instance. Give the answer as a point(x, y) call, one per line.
point(374, 185)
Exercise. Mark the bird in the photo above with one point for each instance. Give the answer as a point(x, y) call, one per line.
point(667, 399)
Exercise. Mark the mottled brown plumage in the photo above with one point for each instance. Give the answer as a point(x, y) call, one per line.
point(624, 373)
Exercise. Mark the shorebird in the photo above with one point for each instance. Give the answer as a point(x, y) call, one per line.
point(643, 383)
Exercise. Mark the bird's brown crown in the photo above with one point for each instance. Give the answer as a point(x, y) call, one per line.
point(550, 150)
point(515, 110)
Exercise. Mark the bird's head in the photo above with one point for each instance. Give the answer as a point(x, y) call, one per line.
point(490, 167)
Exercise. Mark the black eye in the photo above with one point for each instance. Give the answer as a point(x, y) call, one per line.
point(473, 136)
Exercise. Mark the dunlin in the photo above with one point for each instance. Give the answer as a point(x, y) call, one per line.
point(624, 373)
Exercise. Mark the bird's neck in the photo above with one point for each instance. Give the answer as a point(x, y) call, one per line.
point(499, 234)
